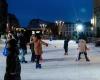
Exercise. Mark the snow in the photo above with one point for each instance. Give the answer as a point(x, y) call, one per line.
point(57, 66)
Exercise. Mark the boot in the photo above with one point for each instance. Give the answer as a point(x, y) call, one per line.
point(79, 57)
point(65, 53)
point(87, 60)
point(24, 61)
point(38, 66)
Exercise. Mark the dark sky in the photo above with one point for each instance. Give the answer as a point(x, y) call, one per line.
point(51, 10)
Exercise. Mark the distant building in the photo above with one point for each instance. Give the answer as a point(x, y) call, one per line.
point(52, 29)
point(12, 22)
point(37, 25)
point(68, 29)
point(96, 17)
point(97, 13)
point(96, 22)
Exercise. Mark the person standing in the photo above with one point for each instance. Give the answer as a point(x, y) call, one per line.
point(66, 45)
point(13, 67)
point(32, 48)
point(38, 49)
point(82, 47)
point(22, 46)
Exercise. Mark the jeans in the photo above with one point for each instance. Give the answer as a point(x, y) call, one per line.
point(38, 59)
point(85, 54)
point(22, 53)
point(33, 56)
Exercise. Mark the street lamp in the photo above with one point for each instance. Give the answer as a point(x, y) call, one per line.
point(60, 24)
point(8, 24)
point(79, 28)
point(43, 26)
point(92, 21)
point(91, 28)
point(7, 27)
point(94, 26)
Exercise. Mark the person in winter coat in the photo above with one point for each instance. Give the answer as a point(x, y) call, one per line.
point(66, 45)
point(32, 48)
point(38, 49)
point(22, 46)
point(82, 47)
point(13, 67)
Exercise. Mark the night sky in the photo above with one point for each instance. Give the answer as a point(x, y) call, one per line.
point(51, 10)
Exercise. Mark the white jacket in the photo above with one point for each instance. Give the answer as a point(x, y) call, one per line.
point(82, 45)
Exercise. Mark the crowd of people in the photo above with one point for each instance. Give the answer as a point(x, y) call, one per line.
point(17, 45)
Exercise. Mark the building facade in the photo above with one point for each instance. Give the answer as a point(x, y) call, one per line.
point(96, 17)
point(68, 29)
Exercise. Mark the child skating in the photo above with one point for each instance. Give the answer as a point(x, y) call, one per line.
point(82, 47)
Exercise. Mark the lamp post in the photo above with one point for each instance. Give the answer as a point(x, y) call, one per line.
point(79, 29)
point(60, 24)
point(43, 26)
point(93, 22)
point(7, 24)
point(7, 27)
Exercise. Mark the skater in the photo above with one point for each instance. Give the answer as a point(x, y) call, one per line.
point(13, 67)
point(22, 46)
point(82, 47)
point(66, 45)
point(38, 49)
point(32, 48)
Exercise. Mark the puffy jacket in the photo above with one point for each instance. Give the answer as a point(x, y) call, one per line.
point(38, 47)
point(82, 45)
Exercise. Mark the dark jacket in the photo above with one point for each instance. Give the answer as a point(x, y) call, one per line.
point(13, 67)
point(66, 43)
point(22, 41)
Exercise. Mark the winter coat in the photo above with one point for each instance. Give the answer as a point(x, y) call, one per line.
point(31, 44)
point(38, 47)
point(82, 45)
point(66, 43)
point(13, 67)
point(22, 41)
